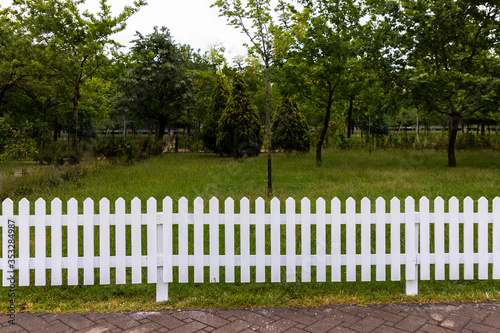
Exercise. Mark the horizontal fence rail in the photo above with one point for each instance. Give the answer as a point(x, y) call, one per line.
point(252, 245)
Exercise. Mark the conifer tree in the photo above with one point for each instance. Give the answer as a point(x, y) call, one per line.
point(240, 130)
point(289, 127)
point(220, 96)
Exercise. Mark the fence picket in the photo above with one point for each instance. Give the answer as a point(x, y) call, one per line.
point(275, 241)
point(321, 240)
point(425, 260)
point(40, 242)
point(88, 242)
point(167, 249)
point(199, 241)
point(7, 212)
point(366, 268)
point(104, 242)
point(351, 240)
point(496, 237)
point(260, 240)
point(152, 254)
point(336, 241)
point(410, 248)
point(305, 250)
point(229, 240)
point(395, 239)
point(245, 239)
point(183, 240)
point(468, 230)
point(290, 241)
point(483, 238)
point(380, 239)
point(24, 243)
point(439, 266)
point(72, 242)
point(454, 239)
point(136, 233)
point(214, 240)
point(120, 235)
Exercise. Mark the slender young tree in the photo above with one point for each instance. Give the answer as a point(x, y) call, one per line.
point(256, 22)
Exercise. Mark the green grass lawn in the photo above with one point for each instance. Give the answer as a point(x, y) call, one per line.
point(344, 174)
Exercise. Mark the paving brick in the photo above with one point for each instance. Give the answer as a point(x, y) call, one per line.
point(411, 323)
point(76, 321)
point(429, 328)
point(121, 320)
point(387, 329)
point(165, 319)
point(145, 328)
point(235, 326)
point(11, 329)
point(278, 326)
point(493, 320)
point(31, 323)
point(480, 328)
point(455, 322)
point(191, 327)
point(323, 325)
point(367, 324)
point(208, 318)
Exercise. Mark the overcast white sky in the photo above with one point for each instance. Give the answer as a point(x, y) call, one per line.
point(190, 22)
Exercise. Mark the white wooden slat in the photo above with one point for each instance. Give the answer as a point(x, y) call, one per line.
point(167, 246)
point(454, 266)
point(305, 211)
point(136, 234)
point(395, 239)
point(483, 239)
point(439, 266)
point(183, 240)
point(366, 273)
point(336, 241)
point(72, 242)
point(40, 242)
point(496, 237)
point(152, 227)
point(56, 242)
point(380, 239)
point(24, 243)
point(290, 241)
point(411, 239)
point(120, 242)
point(351, 239)
point(245, 239)
point(260, 239)
point(425, 267)
point(275, 241)
point(468, 237)
point(199, 241)
point(88, 242)
point(321, 240)
point(214, 240)
point(229, 240)
point(7, 234)
point(104, 242)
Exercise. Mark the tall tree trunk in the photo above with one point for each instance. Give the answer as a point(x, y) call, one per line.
point(76, 98)
point(455, 121)
point(269, 139)
point(324, 130)
point(349, 117)
point(56, 130)
point(160, 128)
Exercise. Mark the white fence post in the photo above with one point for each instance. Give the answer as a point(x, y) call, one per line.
point(411, 248)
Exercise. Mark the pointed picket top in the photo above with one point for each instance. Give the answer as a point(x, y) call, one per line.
point(320, 202)
point(409, 202)
point(438, 203)
point(104, 205)
point(151, 204)
point(424, 201)
point(7, 202)
point(350, 205)
point(365, 205)
point(23, 201)
point(214, 205)
point(305, 205)
point(40, 204)
point(184, 201)
point(260, 201)
point(136, 202)
point(483, 202)
point(305, 201)
point(275, 202)
point(336, 204)
point(244, 206)
point(244, 201)
point(167, 205)
point(395, 202)
point(350, 201)
point(496, 205)
point(469, 201)
point(88, 206)
point(56, 201)
point(229, 202)
point(72, 201)
point(454, 201)
point(290, 205)
point(198, 204)
point(380, 203)
point(120, 201)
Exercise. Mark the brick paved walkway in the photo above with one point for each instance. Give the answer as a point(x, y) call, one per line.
point(463, 317)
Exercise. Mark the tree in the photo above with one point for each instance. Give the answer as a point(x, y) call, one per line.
point(71, 44)
point(290, 129)
point(445, 54)
point(260, 33)
point(220, 97)
point(159, 85)
point(323, 38)
point(239, 132)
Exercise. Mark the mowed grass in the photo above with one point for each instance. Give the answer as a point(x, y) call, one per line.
point(354, 174)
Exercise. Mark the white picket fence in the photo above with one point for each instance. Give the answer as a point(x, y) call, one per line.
point(450, 244)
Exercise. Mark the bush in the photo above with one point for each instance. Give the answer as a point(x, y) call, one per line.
point(342, 141)
point(151, 147)
point(289, 128)
point(117, 149)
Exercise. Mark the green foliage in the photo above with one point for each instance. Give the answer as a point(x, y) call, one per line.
point(116, 149)
point(16, 142)
point(151, 147)
point(220, 96)
point(239, 132)
point(342, 141)
point(289, 127)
